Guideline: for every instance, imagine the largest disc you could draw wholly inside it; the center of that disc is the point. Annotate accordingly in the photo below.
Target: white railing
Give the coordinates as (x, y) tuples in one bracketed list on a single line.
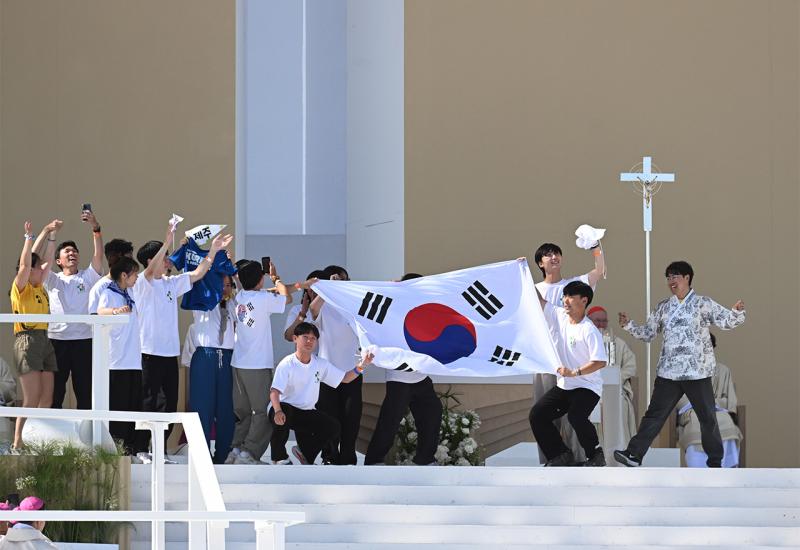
[(206, 514)]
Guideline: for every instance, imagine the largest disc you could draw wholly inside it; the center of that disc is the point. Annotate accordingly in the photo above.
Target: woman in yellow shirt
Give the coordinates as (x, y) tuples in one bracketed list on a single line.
[(34, 356)]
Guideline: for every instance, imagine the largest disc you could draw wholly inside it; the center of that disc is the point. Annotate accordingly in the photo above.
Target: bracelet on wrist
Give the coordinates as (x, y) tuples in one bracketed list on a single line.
[(29, 237)]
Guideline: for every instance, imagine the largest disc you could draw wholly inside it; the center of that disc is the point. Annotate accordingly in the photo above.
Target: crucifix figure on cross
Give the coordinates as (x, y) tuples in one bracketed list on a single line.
[(649, 183)]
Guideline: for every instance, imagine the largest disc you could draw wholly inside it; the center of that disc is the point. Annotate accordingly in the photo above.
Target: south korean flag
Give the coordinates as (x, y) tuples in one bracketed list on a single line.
[(482, 321)]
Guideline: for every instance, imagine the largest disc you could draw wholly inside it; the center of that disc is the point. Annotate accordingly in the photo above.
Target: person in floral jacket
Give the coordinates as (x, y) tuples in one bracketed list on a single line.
[(686, 364)]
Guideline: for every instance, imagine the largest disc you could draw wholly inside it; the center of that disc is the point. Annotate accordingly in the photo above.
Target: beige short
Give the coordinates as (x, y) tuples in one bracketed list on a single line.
[(33, 352)]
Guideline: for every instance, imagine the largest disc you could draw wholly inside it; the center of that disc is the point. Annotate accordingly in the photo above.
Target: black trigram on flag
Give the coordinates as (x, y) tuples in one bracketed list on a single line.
[(374, 307), (482, 300), (404, 367), (504, 357)]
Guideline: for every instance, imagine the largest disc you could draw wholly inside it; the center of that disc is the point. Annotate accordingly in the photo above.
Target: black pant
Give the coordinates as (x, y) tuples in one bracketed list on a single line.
[(125, 394), (344, 404), (73, 357), (314, 430), (426, 408), (666, 394), (577, 404), (159, 385)]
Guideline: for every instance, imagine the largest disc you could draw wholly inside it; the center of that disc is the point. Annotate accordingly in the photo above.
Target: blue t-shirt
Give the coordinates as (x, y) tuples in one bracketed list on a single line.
[(207, 292)]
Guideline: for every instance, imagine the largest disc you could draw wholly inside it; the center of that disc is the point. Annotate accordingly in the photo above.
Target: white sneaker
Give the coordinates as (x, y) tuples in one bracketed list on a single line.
[(232, 456), (146, 458), (283, 462), (245, 458)]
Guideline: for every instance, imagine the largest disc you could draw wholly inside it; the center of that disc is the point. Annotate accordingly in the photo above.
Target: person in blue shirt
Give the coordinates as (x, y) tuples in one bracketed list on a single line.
[(206, 293)]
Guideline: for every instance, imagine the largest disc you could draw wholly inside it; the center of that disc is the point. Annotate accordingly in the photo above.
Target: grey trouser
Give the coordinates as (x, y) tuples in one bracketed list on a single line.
[(250, 398)]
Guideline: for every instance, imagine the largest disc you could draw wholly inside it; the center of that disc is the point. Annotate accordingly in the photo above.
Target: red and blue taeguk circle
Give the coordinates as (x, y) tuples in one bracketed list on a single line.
[(440, 332)]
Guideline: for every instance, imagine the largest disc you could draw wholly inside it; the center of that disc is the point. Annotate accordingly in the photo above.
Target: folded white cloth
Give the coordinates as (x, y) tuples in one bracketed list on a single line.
[(588, 236)]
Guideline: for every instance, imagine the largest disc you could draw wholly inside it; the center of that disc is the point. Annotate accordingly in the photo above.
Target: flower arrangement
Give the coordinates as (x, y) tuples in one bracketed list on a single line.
[(456, 447)]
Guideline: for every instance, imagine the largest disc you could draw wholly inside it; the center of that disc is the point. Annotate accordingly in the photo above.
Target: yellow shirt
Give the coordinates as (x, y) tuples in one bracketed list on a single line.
[(32, 299)]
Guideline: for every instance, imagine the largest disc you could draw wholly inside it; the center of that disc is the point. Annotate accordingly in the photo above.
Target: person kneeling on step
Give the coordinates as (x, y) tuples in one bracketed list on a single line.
[(580, 349), (294, 394)]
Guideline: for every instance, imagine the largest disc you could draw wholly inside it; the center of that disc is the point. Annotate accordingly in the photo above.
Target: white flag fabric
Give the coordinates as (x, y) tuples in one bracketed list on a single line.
[(482, 321), (204, 233)]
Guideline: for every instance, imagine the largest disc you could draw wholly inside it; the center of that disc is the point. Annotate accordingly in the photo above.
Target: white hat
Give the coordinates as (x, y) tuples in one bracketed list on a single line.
[(588, 236)]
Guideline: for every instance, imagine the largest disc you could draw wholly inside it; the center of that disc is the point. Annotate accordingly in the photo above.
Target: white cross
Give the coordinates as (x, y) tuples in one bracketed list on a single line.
[(647, 178)]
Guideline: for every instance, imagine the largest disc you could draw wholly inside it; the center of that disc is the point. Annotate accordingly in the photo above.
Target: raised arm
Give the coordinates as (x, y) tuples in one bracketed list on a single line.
[(281, 288), (45, 244), (725, 318), (646, 332), (97, 239), (24, 270), (217, 244), (599, 266), (158, 259)]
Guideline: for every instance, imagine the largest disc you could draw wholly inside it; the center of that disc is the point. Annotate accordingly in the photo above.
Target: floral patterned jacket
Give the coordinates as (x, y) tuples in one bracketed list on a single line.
[(687, 353)]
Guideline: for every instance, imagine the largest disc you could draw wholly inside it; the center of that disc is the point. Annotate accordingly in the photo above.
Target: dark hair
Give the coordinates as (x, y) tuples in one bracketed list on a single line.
[(123, 265), (409, 276), (306, 328), (713, 340), (545, 250), (250, 274), (240, 263), (35, 260), (680, 268), (579, 288), (148, 251), (64, 245), (116, 249), (336, 270)]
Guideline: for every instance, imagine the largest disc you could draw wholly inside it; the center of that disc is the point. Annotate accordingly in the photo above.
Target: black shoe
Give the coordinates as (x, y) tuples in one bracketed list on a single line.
[(564, 459), (598, 458), (627, 458)]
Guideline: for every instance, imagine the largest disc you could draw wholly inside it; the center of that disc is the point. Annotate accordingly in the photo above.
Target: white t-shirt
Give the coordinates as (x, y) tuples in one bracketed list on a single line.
[(253, 347), (207, 327), (554, 292), (576, 345), (157, 301), (124, 347), (97, 290), (70, 294), (294, 313), (299, 383), (337, 340)]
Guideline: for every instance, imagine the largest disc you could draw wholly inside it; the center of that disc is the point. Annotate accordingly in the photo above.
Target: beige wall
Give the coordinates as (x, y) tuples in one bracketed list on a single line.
[(520, 114), (126, 105)]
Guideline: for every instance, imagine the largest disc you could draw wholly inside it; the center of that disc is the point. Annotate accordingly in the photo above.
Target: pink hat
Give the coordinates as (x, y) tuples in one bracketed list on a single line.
[(30, 504)]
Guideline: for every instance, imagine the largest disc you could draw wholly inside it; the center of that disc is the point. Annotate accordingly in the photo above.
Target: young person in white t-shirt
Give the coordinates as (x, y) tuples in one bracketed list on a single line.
[(156, 295), (68, 291), (113, 250), (302, 312), (580, 349), (338, 344), (253, 360), (549, 258), (406, 390), (125, 365), (207, 351), (294, 393)]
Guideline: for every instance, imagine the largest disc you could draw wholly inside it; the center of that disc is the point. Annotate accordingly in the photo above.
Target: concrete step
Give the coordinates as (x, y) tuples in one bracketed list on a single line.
[(727, 497), (535, 515), (487, 476)]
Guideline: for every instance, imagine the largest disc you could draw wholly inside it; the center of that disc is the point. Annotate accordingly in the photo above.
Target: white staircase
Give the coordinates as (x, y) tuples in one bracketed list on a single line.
[(443, 508)]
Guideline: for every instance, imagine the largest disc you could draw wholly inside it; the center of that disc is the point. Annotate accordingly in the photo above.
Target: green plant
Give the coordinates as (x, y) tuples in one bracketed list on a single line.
[(456, 447), (67, 478)]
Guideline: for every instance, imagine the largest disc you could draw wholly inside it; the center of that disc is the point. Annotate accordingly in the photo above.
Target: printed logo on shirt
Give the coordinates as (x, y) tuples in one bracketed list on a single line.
[(193, 258), (504, 357), (317, 378), (242, 313), (81, 287), (169, 295), (482, 300), (572, 341)]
